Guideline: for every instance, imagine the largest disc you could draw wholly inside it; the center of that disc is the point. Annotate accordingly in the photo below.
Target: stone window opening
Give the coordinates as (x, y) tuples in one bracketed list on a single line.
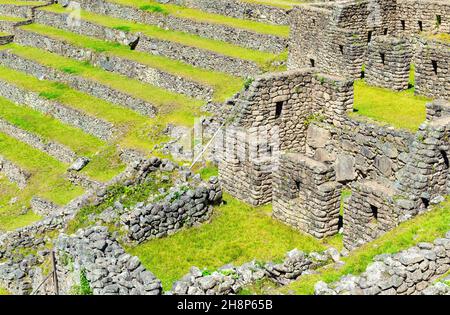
[(314, 21), (278, 109), (435, 66), (438, 20), (383, 58), (420, 26), (298, 185), (341, 49), (403, 22), (369, 36), (374, 211), (445, 157), (385, 31), (312, 62), (425, 202)]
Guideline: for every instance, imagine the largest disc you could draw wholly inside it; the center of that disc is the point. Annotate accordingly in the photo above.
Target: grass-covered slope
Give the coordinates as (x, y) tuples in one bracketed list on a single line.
[(423, 228), (399, 109), (237, 233)]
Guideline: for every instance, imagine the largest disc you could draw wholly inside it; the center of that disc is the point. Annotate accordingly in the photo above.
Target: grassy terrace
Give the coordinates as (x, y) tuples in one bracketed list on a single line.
[(423, 228), (10, 18), (223, 84), (104, 162), (237, 233), (47, 181), (26, 3), (400, 109), (201, 16), (139, 132), (263, 59), (283, 4)]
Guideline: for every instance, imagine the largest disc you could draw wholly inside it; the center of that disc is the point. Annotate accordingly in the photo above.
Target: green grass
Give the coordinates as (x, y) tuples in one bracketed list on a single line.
[(283, 4), (10, 18), (4, 291), (237, 233), (423, 228), (27, 3), (202, 16), (263, 59), (224, 85), (400, 109), (47, 180), (103, 161), (442, 37), (139, 132)]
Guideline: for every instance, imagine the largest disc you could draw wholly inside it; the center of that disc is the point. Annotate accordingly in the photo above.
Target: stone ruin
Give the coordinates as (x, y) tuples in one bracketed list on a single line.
[(294, 145), (386, 36)]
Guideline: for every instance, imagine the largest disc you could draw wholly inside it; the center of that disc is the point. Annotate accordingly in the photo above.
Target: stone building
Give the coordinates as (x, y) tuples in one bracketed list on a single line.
[(293, 143), (382, 36)]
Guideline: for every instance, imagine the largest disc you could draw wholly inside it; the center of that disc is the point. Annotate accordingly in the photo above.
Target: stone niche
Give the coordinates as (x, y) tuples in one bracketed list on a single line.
[(369, 213), (389, 61), (306, 195)]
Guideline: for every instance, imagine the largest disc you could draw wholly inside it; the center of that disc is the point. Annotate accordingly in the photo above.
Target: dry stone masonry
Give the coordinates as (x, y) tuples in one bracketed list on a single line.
[(93, 254), (230, 279), (412, 271), (184, 207), (341, 37)]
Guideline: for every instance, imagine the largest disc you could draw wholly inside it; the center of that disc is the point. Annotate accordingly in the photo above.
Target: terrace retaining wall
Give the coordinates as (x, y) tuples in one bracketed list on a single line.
[(220, 32), (96, 89)]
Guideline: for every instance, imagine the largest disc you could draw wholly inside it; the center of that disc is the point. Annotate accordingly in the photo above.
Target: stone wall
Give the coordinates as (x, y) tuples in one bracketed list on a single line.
[(408, 272), (189, 54), (306, 195), (181, 208), (341, 37), (108, 62), (220, 32), (414, 16), (56, 150), (272, 116), (104, 263), (14, 173), (237, 9), (432, 64), (94, 88), (230, 279), (389, 62), (89, 124)]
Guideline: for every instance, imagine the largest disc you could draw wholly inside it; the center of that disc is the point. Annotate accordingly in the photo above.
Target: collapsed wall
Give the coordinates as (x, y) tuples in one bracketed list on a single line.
[(93, 254)]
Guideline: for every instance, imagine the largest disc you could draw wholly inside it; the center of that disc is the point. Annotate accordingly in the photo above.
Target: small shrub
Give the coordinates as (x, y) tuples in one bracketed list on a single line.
[(248, 82), (85, 287), (49, 95), (154, 8), (122, 28)]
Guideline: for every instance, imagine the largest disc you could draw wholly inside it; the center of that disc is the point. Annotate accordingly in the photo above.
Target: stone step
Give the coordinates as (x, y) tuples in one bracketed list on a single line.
[(187, 48), (52, 148), (113, 61), (249, 34), (14, 173), (20, 9), (92, 125), (10, 59), (266, 11)]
